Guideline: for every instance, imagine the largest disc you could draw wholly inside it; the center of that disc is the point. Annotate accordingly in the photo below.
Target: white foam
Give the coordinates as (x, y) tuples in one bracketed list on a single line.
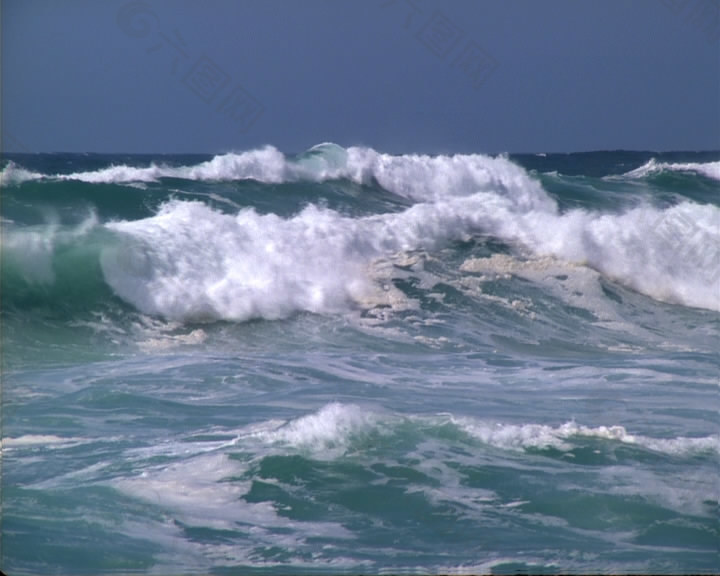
[(522, 562), (414, 176), (331, 428), (207, 490), (13, 174), (205, 487), (541, 436), (44, 440), (118, 174), (192, 262), (652, 166), (575, 284), (265, 164), (419, 177), (172, 341), (194, 486), (437, 178), (327, 431), (672, 255), (686, 491), (680, 446)]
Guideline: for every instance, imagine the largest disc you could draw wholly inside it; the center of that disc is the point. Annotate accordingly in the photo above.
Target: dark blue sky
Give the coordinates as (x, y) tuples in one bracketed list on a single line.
[(398, 75)]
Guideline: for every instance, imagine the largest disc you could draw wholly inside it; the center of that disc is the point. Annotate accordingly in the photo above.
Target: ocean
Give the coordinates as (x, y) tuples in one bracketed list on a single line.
[(346, 361)]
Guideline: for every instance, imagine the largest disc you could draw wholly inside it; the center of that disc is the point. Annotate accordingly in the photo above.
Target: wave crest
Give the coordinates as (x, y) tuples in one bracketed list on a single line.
[(191, 262), (708, 169)]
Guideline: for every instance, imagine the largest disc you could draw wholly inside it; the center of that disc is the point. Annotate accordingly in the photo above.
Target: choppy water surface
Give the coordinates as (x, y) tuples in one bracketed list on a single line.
[(347, 361)]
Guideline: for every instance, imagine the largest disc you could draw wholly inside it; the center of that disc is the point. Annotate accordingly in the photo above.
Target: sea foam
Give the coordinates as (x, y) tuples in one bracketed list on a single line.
[(191, 262), (652, 166)]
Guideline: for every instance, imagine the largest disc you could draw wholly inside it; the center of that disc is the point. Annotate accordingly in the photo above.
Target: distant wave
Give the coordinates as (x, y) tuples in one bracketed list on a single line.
[(707, 169), (14, 174), (333, 427), (402, 174), (321, 162)]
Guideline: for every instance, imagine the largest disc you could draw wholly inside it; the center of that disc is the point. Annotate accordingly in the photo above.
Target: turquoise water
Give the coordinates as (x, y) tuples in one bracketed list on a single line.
[(347, 361)]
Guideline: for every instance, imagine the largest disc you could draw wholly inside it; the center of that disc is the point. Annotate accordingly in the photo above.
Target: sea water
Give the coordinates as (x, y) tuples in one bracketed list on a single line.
[(349, 361)]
